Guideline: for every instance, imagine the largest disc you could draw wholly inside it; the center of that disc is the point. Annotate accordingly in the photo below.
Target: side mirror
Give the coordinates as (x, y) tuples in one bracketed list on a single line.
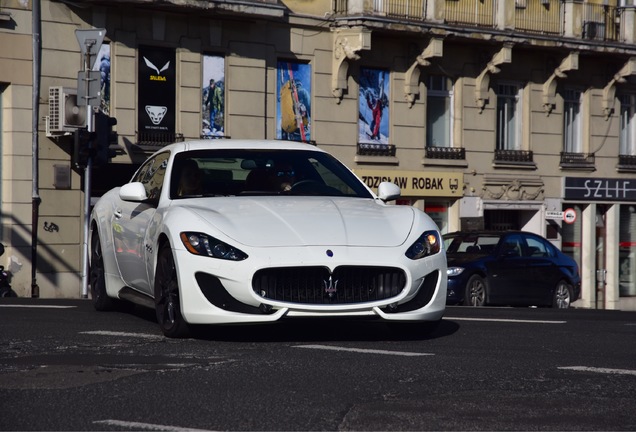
[(135, 192), (388, 191)]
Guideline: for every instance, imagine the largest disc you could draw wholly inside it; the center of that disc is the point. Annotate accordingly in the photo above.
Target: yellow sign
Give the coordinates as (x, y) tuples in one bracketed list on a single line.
[(416, 183)]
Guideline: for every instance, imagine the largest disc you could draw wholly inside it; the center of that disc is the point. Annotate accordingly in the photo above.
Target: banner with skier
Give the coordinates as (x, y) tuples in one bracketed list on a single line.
[(373, 102), (213, 93), (293, 102)]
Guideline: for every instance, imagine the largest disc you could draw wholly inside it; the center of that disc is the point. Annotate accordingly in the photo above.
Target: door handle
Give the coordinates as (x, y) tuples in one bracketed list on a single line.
[(117, 213)]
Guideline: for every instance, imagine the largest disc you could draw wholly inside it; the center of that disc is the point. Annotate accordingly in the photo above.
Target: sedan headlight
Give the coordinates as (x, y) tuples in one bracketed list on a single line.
[(426, 245), (454, 271), (205, 245)]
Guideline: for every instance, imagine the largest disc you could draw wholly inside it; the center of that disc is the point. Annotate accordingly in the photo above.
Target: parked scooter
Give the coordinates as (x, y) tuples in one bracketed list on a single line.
[(5, 287)]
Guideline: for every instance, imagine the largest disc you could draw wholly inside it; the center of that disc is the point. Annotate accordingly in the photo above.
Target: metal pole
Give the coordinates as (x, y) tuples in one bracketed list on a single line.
[(35, 194), (87, 181)]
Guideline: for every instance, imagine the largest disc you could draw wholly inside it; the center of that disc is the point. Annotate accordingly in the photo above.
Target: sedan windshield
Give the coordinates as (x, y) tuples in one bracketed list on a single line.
[(229, 172), (471, 243)]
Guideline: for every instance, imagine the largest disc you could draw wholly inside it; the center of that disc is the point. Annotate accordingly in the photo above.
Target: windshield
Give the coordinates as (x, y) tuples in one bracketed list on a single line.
[(471, 243), (228, 172)]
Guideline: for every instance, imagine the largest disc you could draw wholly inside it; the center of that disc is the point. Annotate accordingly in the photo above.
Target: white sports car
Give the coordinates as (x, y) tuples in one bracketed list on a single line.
[(240, 231)]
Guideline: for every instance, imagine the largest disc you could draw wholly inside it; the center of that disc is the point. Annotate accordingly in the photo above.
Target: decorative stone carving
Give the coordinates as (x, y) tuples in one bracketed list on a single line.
[(347, 43), (512, 189), (483, 80), (412, 76), (609, 92), (571, 62)]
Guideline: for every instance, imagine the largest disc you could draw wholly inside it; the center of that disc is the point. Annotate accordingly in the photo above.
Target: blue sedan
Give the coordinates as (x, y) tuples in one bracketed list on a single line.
[(509, 268)]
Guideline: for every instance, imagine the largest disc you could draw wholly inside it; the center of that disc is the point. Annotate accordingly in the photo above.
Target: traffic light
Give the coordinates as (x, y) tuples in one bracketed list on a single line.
[(104, 137), (82, 147)]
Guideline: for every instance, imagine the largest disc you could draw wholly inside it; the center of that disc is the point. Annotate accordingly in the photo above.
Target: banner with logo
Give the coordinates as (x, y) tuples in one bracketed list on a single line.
[(213, 92), (293, 102), (157, 93), (373, 103)]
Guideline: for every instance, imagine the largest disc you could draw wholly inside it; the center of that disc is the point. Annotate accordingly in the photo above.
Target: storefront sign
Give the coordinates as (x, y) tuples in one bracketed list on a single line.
[(602, 189), (416, 183)]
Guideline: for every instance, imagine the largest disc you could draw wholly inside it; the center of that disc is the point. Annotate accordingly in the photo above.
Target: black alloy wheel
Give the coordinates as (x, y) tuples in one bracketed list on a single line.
[(475, 294), (167, 299), (97, 279), (562, 296)]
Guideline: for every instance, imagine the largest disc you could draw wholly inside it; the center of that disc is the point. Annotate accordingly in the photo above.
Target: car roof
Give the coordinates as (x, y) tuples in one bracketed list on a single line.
[(253, 144)]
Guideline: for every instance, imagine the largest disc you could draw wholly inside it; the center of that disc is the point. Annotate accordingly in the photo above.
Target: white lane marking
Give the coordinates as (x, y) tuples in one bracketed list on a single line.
[(600, 370), (124, 334), (35, 306), (504, 320), (364, 351), (147, 426)]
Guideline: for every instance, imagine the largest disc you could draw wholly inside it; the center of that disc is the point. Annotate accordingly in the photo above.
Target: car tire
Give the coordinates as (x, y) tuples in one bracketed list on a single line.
[(562, 296), (475, 292), (167, 296), (97, 278)]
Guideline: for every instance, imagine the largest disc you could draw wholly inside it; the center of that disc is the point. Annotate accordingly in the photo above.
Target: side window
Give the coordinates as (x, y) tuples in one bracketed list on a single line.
[(536, 248), (152, 173), (512, 246)]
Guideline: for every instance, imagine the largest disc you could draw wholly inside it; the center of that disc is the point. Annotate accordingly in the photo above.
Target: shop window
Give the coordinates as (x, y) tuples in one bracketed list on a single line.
[(571, 235), (627, 251), (438, 211)]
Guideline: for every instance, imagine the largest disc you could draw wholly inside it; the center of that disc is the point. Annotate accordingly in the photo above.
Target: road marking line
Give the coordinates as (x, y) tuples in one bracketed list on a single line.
[(36, 306), (600, 370), (504, 320), (364, 351), (147, 426), (124, 334)]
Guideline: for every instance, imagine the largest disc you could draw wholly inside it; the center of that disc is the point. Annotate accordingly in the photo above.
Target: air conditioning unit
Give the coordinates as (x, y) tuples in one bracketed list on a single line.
[(64, 113)]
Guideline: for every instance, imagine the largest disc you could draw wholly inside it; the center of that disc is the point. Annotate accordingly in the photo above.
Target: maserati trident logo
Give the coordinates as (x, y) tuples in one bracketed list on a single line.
[(331, 286)]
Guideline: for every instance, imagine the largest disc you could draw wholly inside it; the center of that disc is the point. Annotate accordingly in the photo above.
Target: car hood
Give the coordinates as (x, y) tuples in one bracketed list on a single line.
[(305, 221)]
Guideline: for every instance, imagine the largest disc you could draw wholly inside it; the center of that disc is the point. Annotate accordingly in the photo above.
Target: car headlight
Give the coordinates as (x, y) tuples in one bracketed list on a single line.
[(205, 245), (454, 271), (426, 245)]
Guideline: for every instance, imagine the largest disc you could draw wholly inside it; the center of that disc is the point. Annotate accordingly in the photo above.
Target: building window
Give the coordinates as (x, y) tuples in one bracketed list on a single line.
[(439, 111), (572, 122), (627, 146), (508, 117)]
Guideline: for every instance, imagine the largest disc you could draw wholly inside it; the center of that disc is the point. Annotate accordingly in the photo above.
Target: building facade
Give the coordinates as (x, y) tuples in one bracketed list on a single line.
[(497, 114)]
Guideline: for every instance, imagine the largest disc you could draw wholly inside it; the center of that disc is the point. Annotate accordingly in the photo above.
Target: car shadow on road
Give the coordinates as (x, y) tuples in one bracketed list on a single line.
[(323, 330)]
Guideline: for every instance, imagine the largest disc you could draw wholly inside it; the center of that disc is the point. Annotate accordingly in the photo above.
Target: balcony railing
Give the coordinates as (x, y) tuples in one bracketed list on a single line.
[(448, 153), (540, 17), (412, 9), (627, 161), (599, 22), (514, 156), (153, 141), (470, 12), (365, 149), (544, 16), (577, 160)]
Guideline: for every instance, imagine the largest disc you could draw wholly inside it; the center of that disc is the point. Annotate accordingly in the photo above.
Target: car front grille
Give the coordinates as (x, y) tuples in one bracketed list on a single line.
[(316, 285)]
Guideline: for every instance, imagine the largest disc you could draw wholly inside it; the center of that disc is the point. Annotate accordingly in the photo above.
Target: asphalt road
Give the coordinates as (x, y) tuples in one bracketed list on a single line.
[(64, 366)]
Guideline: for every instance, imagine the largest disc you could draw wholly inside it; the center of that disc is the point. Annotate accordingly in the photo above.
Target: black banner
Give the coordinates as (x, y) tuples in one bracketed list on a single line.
[(157, 91), (600, 189)]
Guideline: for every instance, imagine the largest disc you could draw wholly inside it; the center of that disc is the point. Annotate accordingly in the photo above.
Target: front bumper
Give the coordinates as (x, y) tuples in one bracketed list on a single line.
[(221, 292)]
